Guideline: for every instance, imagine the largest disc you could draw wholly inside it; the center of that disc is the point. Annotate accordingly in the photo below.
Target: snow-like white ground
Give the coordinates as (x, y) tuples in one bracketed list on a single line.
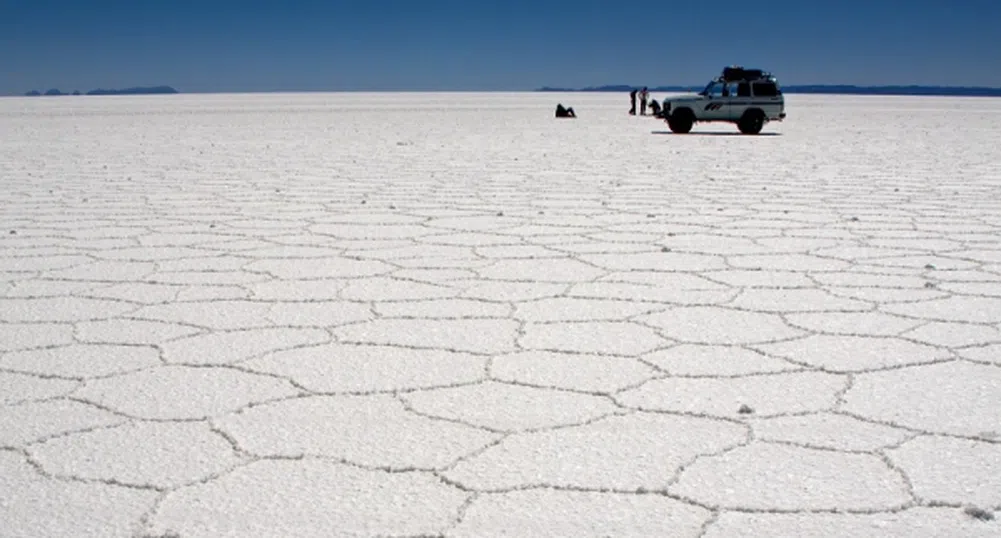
[(453, 315)]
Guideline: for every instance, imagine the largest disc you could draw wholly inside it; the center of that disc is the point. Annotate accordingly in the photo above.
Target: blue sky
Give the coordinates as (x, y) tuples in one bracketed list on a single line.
[(250, 45)]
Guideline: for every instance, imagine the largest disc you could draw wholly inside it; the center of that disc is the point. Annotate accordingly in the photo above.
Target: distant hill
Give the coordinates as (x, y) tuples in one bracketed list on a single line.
[(960, 91), (153, 90), (965, 91), (622, 88)]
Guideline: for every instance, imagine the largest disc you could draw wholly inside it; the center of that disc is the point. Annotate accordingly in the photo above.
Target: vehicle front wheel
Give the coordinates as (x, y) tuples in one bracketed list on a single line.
[(751, 122), (680, 121)]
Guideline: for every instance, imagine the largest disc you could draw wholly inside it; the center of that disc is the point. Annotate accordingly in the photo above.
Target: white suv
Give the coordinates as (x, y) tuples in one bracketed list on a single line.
[(747, 97)]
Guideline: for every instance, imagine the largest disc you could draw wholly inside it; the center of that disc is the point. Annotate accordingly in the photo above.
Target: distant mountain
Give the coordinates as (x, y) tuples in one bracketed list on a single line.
[(965, 91), (620, 88), (154, 90), (962, 91)]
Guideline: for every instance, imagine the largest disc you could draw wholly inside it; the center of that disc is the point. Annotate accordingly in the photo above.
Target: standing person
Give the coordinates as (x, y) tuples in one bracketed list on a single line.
[(632, 103), (644, 95)]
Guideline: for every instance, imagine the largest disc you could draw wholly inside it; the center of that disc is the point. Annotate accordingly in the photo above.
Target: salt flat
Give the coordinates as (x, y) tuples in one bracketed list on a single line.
[(453, 315)]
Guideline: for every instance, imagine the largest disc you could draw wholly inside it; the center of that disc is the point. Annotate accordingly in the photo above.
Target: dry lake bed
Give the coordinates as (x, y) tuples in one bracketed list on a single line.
[(452, 315)]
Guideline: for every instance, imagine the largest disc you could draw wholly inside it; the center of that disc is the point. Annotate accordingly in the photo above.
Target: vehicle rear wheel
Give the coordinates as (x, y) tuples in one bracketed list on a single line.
[(681, 121), (751, 122)]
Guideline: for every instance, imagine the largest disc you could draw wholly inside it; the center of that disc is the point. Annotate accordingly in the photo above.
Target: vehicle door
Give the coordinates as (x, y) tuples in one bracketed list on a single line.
[(716, 105), (741, 99)]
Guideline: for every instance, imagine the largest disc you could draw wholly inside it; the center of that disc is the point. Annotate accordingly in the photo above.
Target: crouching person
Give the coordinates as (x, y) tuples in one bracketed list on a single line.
[(562, 112), (655, 107)]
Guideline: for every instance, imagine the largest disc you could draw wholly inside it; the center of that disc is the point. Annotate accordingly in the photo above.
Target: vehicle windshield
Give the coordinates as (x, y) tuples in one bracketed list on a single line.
[(708, 88)]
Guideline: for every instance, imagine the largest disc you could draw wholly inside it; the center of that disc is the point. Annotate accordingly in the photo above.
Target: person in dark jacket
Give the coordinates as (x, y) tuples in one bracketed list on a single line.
[(655, 107), (632, 103), (562, 112)]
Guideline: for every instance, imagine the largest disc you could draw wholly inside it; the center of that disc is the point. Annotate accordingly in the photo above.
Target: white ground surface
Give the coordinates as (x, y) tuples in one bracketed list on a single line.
[(453, 315)]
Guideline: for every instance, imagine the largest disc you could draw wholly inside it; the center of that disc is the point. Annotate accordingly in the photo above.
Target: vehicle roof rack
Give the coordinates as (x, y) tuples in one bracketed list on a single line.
[(736, 73)]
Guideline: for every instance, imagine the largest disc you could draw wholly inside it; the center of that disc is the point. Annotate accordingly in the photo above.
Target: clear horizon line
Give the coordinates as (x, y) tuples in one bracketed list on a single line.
[(539, 89)]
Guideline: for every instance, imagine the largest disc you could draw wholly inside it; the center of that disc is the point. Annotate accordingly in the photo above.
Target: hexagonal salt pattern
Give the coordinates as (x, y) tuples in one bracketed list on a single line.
[(310, 497), (910, 523), (46, 506), (507, 407), (969, 475), (630, 453), (830, 431), (570, 371), (183, 392), (81, 361), (158, 458), (955, 397), (551, 512), (359, 369), (374, 431), (423, 315), (763, 476), (766, 394)]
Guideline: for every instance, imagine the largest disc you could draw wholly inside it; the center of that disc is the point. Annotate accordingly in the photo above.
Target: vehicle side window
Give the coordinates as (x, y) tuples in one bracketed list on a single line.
[(766, 89), (716, 90), (743, 90)]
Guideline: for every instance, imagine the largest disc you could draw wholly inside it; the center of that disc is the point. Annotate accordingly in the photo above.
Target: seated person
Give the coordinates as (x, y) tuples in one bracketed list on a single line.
[(562, 112), (655, 107)]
